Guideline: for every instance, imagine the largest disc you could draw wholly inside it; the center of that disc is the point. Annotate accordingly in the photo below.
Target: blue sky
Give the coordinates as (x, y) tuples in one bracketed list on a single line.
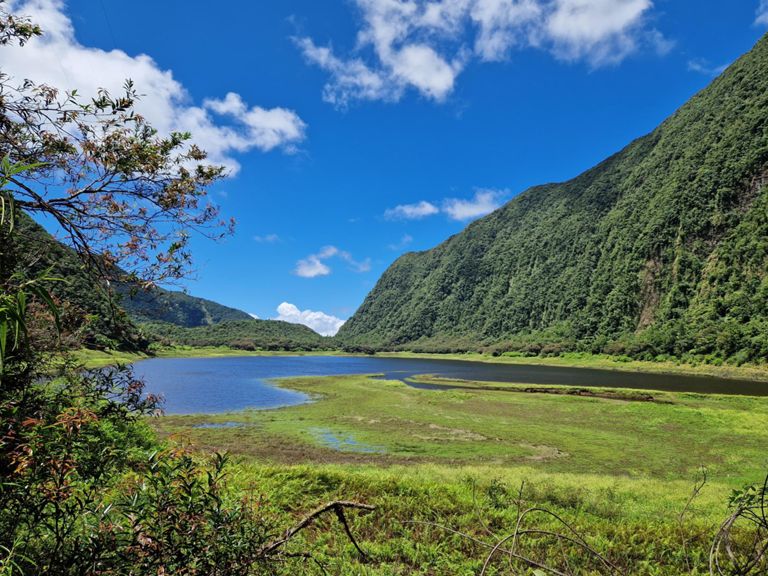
[(357, 130)]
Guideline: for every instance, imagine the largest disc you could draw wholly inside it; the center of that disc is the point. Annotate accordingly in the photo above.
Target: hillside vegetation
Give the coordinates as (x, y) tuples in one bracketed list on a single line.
[(661, 249), (95, 318), (125, 317), (175, 307), (248, 334)]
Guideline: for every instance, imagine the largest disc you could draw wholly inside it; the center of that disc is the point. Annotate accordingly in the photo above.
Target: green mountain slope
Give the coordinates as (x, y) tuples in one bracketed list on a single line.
[(92, 314), (159, 305), (248, 334), (662, 248), (131, 319)]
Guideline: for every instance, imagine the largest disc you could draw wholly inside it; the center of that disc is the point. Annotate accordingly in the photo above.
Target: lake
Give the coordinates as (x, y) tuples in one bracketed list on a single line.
[(214, 385)]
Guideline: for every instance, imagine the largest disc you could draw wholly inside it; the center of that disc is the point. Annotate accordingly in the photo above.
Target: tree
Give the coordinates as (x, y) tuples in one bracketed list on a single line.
[(124, 196), (85, 486)]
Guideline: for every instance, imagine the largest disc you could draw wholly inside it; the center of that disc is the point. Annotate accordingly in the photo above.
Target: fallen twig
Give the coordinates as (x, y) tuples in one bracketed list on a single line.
[(337, 507)]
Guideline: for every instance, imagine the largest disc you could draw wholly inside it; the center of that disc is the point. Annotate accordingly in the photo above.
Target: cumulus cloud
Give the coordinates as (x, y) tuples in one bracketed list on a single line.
[(222, 127), (599, 31), (415, 211), (314, 265), (424, 45), (504, 24), (322, 323), (483, 202), (762, 13)]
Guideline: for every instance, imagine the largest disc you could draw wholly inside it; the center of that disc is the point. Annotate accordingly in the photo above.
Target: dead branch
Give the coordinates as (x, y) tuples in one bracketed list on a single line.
[(337, 507), (697, 488), (740, 547)]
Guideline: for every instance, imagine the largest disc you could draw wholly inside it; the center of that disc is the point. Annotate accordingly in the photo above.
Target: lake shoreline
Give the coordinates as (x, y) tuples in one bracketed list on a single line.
[(99, 359)]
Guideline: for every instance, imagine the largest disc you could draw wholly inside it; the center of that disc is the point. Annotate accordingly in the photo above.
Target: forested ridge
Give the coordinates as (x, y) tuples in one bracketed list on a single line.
[(120, 314), (251, 334), (660, 249), (175, 307)]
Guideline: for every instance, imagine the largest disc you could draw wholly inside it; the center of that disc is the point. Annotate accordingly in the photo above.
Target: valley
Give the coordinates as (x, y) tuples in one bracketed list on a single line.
[(410, 358)]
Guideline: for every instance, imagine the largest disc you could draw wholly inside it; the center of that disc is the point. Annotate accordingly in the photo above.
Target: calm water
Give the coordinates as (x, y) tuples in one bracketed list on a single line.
[(210, 385)]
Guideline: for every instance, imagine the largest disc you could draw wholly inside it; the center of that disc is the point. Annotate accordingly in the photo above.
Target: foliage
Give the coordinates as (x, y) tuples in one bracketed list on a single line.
[(741, 544), (105, 313), (660, 249), (85, 487), (92, 313), (160, 305), (249, 334), (122, 194)]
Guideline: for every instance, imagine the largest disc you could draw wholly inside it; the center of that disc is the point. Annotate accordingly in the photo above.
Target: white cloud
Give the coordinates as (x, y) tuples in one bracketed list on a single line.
[(350, 79), (482, 203), (762, 13), (504, 24), (311, 267), (322, 323), (424, 45), (59, 60), (599, 31), (254, 316), (415, 211), (267, 239), (314, 265), (357, 266)]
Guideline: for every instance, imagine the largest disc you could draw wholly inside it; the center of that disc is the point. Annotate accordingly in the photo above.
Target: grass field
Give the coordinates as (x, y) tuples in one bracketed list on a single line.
[(619, 466)]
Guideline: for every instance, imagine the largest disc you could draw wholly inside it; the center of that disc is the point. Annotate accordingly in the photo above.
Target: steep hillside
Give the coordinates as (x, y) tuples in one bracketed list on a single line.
[(244, 335), (159, 305), (662, 248), (132, 318), (93, 314)]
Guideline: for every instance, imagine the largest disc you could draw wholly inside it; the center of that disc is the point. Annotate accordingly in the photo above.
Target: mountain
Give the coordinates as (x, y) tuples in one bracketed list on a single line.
[(128, 318), (160, 305), (90, 311), (660, 249), (248, 334)]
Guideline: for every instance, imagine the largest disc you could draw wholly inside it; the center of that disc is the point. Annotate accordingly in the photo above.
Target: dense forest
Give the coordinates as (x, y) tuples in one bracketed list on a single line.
[(662, 249), (248, 334), (120, 314), (174, 307)]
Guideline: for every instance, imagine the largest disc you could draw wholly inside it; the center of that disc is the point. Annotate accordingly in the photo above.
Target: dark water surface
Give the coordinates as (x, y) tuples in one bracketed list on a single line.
[(211, 385)]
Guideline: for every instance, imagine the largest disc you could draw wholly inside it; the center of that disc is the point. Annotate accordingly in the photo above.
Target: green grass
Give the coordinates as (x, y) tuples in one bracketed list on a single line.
[(668, 439), (620, 470), (101, 358), (633, 522)]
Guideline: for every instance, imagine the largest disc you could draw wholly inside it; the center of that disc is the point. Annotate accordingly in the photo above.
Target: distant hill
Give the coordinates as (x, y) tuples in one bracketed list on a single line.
[(159, 305), (248, 334), (133, 319), (660, 249)]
